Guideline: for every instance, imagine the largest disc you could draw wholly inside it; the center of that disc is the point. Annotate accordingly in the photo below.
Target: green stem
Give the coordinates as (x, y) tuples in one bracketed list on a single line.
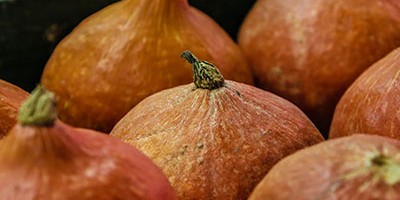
[(387, 168), (205, 74), (39, 109)]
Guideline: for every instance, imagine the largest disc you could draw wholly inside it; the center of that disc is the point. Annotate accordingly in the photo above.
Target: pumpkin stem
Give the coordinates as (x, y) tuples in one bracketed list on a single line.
[(387, 169), (205, 74), (39, 109)]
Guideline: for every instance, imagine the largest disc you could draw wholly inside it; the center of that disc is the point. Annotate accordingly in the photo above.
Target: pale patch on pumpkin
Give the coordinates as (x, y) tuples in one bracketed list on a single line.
[(299, 33), (100, 170)]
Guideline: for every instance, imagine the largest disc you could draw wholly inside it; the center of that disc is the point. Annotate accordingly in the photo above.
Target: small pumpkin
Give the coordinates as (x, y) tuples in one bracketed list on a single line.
[(357, 167), (128, 51), (215, 138), (44, 158), (11, 98), (310, 52), (372, 103)]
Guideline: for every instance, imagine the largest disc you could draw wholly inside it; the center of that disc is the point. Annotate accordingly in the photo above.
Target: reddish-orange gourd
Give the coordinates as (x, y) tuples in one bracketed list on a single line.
[(372, 103), (44, 158), (360, 166), (310, 51), (215, 138)]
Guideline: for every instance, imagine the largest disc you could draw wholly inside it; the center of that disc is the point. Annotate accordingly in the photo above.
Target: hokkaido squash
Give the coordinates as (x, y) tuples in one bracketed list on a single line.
[(310, 51), (372, 103), (215, 138), (44, 158), (357, 167)]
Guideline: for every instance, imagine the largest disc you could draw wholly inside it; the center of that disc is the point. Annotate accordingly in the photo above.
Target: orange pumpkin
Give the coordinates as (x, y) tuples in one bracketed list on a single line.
[(44, 158), (130, 50), (372, 103), (309, 52), (215, 138), (357, 167)]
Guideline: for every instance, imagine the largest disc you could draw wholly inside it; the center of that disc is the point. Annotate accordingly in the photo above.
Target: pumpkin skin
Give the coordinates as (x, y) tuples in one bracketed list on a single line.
[(216, 143), (310, 51), (11, 97), (354, 167), (130, 50), (372, 103), (48, 159)]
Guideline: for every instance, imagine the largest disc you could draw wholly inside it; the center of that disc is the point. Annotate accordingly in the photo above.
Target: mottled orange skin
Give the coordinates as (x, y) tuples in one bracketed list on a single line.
[(65, 163), (11, 98), (337, 169), (216, 144), (372, 103), (130, 50), (310, 51)]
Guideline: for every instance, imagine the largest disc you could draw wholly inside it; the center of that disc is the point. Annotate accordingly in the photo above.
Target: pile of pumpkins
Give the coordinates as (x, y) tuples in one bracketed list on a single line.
[(153, 100)]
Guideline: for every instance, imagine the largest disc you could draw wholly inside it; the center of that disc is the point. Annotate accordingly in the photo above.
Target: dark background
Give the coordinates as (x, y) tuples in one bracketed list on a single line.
[(30, 29)]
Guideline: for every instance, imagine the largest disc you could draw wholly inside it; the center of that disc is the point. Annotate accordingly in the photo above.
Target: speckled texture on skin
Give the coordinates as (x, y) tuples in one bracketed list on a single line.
[(64, 163), (310, 51), (216, 144), (372, 102), (337, 169), (130, 50), (11, 97)]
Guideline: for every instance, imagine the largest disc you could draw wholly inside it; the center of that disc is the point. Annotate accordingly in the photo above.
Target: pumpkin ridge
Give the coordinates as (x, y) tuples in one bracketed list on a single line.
[(174, 106), (216, 107), (255, 106)]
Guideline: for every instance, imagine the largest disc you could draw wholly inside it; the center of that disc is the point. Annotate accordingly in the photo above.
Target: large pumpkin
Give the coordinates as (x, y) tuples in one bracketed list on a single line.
[(11, 98), (129, 50), (42, 158), (372, 103), (215, 138), (310, 51)]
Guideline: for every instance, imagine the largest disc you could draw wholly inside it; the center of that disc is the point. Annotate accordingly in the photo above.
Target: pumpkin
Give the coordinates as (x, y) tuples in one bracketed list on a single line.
[(128, 51), (44, 158), (215, 138), (310, 51), (372, 103), (11, 98), (355, 167)]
